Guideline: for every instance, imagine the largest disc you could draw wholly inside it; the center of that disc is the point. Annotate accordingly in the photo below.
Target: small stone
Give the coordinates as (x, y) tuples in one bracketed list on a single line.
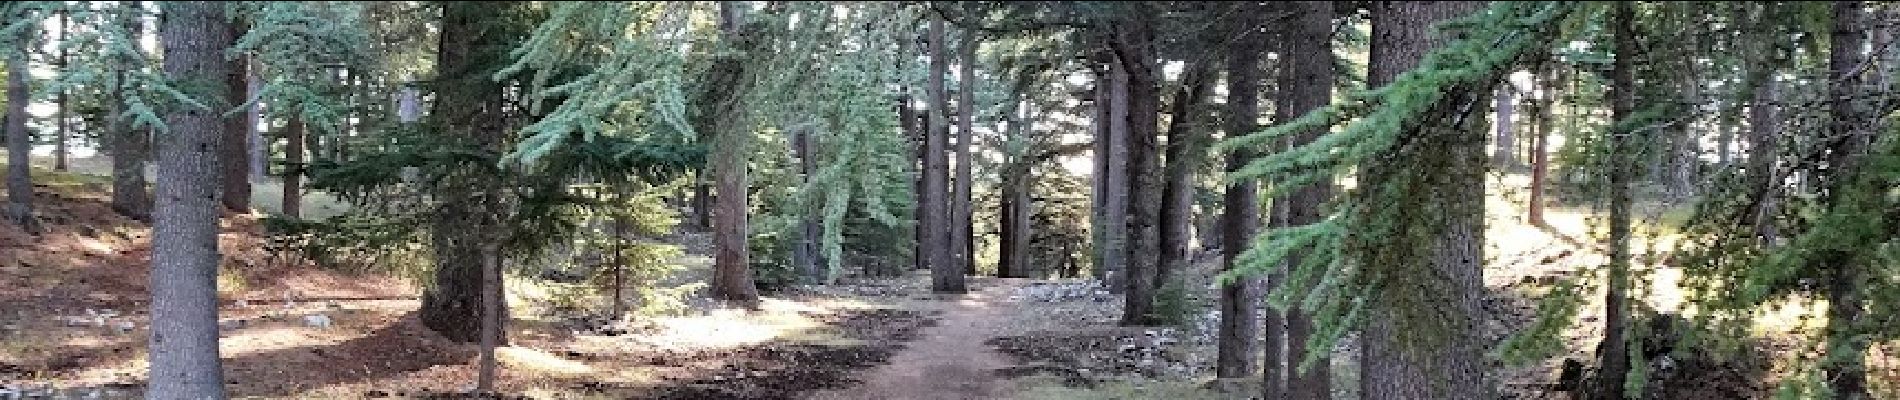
[(123, 326), (316, 321)]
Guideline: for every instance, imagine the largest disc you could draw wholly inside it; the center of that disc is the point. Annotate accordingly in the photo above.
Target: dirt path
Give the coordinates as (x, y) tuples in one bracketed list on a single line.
[(948, 361)]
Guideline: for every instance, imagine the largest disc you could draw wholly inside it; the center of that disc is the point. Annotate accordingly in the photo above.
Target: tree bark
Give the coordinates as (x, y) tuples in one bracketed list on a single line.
[(1394, 367), (234, 170), (806, 254), (19, 209), (259, 145), (1845, 367), (293, 167), (1306, 84), (130, 147), (61, 118), (1134, 45), (945, 275), (1239, 331), (1015, 210), (732, 270), (1613, 352), (492, 317), (1111, 197), (184, 340), (702, 202), (914, 135), (1186, 143), (1763, 117), (620, 266), (1506, 144), (467, 114), (961, 241), (1540, 153)]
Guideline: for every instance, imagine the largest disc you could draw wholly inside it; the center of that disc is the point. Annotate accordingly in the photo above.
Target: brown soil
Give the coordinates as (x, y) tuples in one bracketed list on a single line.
[(949, 361)]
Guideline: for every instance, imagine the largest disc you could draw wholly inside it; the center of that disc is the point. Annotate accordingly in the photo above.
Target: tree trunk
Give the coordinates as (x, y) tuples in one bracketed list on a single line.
[(236, 164), (293, 167), (1506, 143), (702, 202), (260, 146), (61, 119), (620, 266), (130, 147), (1018, 180), (1106, 212), (467, 113), (1306, 84), (914, 136), (1540, 153), (732, 270), (184, 341), (961, 241), (1239, 331), (1845, 367), (806, 255), (19, 209), (492, 317), (1134, 42), (1613, 352), (1763, 117), (1186, 143), (946, 276), (1395, 367), (1115, 227)]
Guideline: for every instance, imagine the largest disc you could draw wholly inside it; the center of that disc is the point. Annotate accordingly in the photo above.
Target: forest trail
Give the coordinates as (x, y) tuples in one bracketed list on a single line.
[(948, 361)]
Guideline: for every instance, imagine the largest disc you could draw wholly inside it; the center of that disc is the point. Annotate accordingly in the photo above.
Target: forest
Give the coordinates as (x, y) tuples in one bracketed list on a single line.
[(1305, 200)]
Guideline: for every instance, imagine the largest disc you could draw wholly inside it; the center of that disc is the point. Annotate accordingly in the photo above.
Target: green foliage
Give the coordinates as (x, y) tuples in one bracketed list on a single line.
[(1172, 304), (1342, 272), (302, 47)]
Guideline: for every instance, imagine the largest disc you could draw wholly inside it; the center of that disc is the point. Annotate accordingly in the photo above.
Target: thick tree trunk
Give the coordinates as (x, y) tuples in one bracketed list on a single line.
[(732, 269), (1394, 366), (961, 241), (1018, 208), (184, 342), (466, 112), (1845, 367), (945, 275), (1613, 352), (1306, 84), (1135, 53), (293, 167), (1238, 337), (130, 148), (1186, 142), (1506, 143), (234, 170), (19, 208)]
